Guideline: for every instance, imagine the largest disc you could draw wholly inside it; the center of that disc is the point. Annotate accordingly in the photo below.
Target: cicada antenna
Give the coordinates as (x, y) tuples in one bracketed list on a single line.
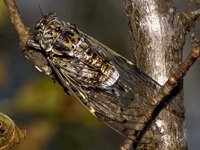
[(41, 10)]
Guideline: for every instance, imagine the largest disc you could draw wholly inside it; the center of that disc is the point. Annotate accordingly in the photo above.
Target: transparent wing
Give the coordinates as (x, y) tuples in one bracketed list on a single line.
[(148, 85), (125, 105)]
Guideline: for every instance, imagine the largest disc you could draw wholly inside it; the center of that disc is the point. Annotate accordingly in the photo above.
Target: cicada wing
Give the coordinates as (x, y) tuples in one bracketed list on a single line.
[(132, 94)]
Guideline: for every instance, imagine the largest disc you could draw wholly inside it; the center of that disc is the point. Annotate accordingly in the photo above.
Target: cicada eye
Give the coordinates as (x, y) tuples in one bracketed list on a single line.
[(52, 15), (39, 25)]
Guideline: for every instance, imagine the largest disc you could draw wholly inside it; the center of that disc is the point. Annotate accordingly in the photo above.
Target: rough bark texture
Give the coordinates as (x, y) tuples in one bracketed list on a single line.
[(158, 35)]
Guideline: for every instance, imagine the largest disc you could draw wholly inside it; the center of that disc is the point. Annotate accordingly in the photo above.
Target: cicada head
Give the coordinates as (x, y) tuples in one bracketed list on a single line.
[(50, 32)]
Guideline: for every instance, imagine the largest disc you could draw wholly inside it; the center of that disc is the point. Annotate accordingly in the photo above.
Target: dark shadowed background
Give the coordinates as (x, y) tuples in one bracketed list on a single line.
[(54, 120)]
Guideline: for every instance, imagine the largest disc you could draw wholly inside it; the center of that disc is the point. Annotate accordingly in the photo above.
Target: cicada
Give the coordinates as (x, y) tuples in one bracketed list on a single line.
[(108, 85)]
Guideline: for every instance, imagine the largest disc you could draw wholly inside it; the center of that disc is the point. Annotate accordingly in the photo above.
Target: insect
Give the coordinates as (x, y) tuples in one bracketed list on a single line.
[(109, 86)]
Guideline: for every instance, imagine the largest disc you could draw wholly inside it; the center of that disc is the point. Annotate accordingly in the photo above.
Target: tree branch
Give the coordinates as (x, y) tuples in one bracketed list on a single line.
[(158, 32), (25, 35)]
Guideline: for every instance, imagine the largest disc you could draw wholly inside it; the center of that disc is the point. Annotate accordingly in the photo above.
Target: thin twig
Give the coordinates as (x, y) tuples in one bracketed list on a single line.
[(25, 35), (180, 73), (16, 20)]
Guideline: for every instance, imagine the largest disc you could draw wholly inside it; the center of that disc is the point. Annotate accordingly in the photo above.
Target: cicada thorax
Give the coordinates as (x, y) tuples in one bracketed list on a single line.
[(62, 41)]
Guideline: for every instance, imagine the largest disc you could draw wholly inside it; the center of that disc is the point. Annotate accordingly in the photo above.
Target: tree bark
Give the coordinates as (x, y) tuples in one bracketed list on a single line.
[(158, 32)]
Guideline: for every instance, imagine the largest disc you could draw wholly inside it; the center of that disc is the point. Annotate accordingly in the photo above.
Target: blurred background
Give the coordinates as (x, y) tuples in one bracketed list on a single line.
[(52, 119)]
